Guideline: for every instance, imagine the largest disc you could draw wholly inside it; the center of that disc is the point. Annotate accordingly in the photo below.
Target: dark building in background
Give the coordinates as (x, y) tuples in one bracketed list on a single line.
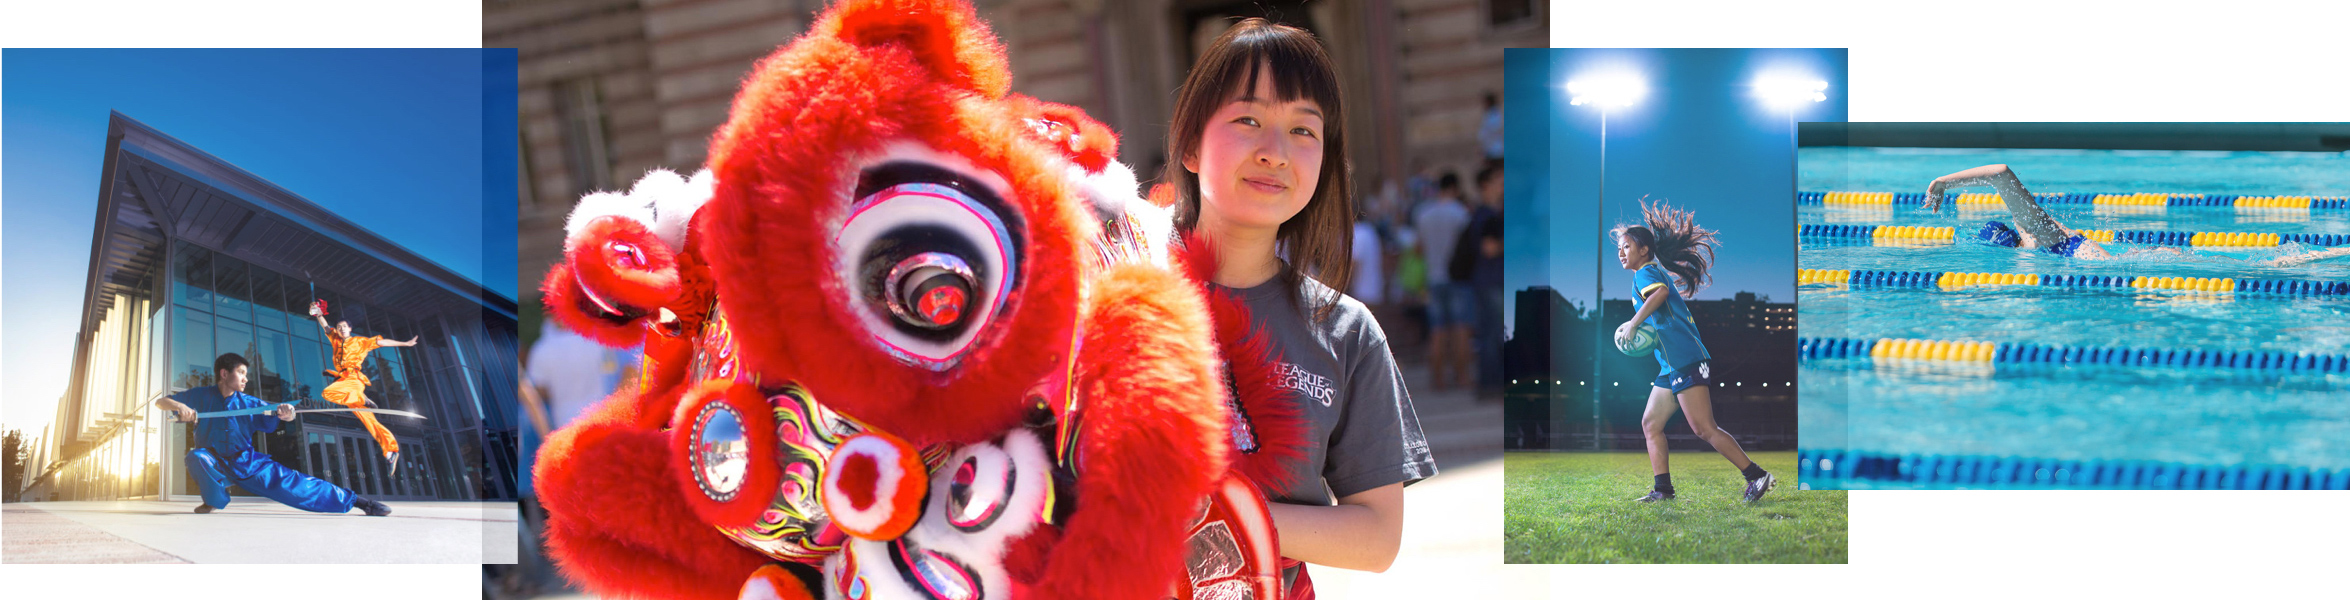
[(194, 257), (1550, 401)]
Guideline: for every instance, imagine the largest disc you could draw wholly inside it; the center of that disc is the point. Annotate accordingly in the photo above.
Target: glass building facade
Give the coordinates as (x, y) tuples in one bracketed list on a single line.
[(195, 258)]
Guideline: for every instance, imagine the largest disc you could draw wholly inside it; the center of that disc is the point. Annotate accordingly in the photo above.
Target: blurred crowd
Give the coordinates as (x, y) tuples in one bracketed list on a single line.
[(1428, 258)]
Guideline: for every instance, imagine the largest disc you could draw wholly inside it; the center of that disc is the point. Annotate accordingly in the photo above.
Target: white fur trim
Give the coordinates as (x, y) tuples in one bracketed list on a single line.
[(980, 552), (662, 201), (673, 212), (759, 588), (1114, 193), (1109, 191), (885, 456)]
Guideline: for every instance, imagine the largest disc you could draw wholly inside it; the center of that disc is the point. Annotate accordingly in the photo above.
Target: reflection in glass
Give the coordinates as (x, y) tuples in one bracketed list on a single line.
[(191, 278), (235, 289), (191, 349)]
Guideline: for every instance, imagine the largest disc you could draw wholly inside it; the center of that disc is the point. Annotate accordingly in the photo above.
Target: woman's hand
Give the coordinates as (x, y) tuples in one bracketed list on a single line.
[(1934, 193)]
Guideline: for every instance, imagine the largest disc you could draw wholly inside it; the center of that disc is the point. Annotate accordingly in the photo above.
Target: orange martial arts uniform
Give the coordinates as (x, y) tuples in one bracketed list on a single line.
[(350, 384)]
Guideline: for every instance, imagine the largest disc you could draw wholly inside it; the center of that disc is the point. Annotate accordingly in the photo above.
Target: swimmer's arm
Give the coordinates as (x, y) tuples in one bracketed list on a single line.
[(2309, 257), (2038, 228), (1363, 532)]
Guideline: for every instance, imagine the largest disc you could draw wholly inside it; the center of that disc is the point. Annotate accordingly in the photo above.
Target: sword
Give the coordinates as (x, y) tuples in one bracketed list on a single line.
[(273, 408)]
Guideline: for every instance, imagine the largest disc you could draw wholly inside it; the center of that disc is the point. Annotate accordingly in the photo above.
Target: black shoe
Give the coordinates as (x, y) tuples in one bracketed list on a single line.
[(1756, 487), (1655, 496), (203, 509), (373, 508)]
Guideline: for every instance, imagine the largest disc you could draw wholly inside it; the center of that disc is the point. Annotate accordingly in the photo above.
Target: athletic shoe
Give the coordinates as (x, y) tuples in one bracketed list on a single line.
[(1655, 496), (393, 458), (203, 509), (1755, 489), (373, 508)]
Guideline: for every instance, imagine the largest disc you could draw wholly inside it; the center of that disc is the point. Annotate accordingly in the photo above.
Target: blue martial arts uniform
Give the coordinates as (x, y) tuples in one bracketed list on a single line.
[(224, 455)]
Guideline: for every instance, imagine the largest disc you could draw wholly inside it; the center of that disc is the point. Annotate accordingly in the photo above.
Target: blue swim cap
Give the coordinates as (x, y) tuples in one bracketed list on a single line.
[(1998, 233)]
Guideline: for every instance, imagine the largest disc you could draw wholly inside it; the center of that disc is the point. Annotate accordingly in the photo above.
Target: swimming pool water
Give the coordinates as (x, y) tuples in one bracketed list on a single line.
[(2185, 416)]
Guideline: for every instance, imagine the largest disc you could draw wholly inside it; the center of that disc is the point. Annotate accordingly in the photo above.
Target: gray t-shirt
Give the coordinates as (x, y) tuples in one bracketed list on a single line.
[(1361, 430), (1440, 223)]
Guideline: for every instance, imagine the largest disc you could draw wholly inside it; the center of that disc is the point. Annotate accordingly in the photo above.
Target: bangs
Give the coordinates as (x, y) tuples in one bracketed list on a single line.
[(1299, 68)]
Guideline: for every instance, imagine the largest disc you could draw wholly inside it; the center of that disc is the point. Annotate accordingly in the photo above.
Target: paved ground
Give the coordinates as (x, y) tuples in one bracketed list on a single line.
[(254, 530)]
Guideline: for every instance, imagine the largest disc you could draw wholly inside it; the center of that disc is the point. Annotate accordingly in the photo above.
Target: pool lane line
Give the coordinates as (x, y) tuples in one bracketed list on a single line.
[(2289, 202), (1827, 465), (1996, 353), (1952, 280), (2212, 239)]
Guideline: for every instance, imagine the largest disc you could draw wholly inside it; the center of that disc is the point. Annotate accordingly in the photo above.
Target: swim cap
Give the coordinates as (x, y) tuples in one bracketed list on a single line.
[(1998, 233)]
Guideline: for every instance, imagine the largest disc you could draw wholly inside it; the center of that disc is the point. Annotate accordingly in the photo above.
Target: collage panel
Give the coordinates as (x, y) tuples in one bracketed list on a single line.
[(1652, 249), (1159, 299), (293, 305), (2137, 306), (759, 237)]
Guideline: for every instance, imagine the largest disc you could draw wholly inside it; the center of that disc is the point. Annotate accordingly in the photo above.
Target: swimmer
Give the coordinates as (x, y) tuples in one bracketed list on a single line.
[(2040, 231)]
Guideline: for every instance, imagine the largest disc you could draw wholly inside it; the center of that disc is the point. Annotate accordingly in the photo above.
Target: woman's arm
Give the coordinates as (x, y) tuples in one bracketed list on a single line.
[(1654, 298), (2296, 259), (1362, 532), (2039, 229)]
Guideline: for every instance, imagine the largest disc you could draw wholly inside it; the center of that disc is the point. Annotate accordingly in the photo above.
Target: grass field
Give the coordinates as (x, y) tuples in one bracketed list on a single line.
[(1576, 507)]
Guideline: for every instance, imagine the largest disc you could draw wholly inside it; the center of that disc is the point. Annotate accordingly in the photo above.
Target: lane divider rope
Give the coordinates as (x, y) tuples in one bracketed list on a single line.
[(1965, 470), (2294, 202), (2149, 237), (1947, 280), (1979, 352)]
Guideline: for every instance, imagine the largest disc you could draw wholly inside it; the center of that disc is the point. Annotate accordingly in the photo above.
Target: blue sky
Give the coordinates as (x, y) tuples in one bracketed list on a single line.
[(1700, 139), (390, 139)]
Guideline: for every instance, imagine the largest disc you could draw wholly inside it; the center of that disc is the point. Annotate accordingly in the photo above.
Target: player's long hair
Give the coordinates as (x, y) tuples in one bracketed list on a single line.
[(1675, 241)]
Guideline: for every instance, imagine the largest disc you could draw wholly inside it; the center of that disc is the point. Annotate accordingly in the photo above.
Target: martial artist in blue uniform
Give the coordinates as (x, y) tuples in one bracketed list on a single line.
[(224, 451)]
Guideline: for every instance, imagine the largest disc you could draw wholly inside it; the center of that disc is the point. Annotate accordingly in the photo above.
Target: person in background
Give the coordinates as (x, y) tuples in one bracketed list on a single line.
[(1485, 278), (1370, 281), (1490, 133), (1452, 305)]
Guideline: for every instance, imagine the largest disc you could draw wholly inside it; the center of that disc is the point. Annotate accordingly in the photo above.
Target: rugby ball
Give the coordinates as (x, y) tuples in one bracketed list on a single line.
[(1640, 341)]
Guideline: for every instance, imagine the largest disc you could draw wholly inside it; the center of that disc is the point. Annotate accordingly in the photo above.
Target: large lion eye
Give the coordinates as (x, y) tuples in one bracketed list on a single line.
[(930, 255)]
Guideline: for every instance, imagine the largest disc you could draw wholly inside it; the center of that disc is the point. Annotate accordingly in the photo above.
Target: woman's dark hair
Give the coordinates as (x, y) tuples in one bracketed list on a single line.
[(1320, 239), (1674, 240), (227, 362)]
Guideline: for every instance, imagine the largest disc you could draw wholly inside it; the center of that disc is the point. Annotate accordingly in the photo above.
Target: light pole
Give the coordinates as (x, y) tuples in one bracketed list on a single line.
[(1613, 91), (1789, 94)]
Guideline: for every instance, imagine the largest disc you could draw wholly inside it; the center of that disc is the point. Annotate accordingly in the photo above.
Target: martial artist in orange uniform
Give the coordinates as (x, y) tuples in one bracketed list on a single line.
[(350, 386)]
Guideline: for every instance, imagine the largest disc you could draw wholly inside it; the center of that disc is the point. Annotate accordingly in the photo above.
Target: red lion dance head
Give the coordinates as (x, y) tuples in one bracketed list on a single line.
[(909, 327)]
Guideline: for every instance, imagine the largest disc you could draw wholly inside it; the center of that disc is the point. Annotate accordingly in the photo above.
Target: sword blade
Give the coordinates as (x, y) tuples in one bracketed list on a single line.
[(273, 408)]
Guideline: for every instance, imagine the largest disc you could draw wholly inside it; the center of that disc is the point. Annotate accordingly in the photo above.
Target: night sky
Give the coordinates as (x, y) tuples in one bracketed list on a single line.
[(1700, 140)]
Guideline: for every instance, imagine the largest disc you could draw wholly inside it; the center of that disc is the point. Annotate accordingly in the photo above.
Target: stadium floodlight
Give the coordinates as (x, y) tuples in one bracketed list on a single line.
[(1790, 92), (1615, 91)]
